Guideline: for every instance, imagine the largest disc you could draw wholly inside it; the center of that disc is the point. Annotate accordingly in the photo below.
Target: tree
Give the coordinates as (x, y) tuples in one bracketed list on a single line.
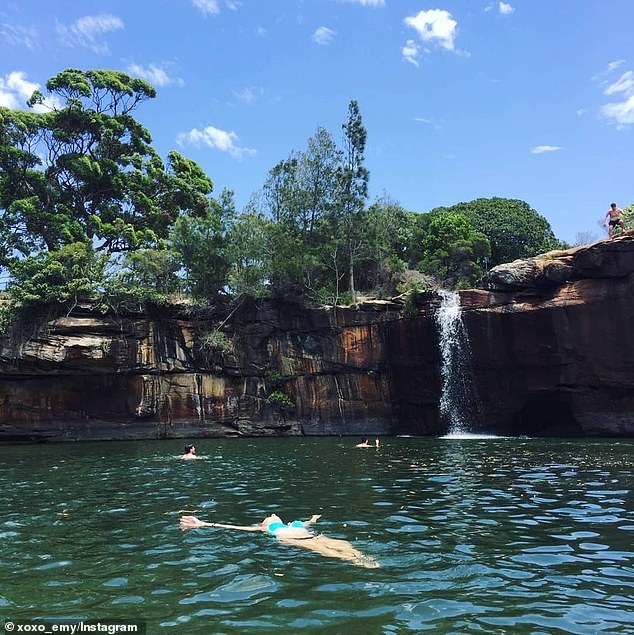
[(513, 228), (451, 250), (317, 174), (388, 235), (348, 221), (250, 259), (203, 244), (70, 273), (84, 171), (628, 216), (297, 196)]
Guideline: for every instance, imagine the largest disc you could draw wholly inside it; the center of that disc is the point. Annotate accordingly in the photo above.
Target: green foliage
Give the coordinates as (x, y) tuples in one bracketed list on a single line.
[(513, 228), (70, 273), (280, 401), (215, 341), (387, 233), (86, 172), (274, 379), (250, 262), (296, 200), (150, 270), (451, 250), (203, 245), (413, 290), (628, 216), (82, 179)]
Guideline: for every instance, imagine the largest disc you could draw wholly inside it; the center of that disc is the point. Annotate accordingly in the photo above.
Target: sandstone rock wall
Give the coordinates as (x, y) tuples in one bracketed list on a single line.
[(551, 355), (86, 376)]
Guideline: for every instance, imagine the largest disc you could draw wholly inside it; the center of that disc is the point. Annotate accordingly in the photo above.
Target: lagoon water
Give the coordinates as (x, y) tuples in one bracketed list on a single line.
[(473, 535)]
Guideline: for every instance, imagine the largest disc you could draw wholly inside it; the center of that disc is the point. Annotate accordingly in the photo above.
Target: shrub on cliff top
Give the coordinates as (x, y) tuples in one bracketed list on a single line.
[(69, 273)]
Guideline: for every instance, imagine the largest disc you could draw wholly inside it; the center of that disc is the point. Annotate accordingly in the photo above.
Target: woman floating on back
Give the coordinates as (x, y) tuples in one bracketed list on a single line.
[(296, 534)]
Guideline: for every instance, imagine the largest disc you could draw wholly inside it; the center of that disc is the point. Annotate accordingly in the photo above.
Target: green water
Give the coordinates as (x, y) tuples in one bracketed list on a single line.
[(473, 536)]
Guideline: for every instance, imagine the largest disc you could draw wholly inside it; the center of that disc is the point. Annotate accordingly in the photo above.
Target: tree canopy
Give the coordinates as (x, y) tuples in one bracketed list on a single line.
[(514, 229), (84, 170), (88, 207)]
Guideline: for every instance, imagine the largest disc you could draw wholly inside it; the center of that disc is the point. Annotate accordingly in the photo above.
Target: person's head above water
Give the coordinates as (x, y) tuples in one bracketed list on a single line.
[(190, 449)]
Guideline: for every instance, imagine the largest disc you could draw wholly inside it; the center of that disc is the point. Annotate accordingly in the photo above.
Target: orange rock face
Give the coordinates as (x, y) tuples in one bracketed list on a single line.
[(550, 352)]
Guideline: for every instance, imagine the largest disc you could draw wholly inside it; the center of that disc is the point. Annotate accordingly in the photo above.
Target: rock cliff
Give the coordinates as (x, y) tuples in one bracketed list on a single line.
[(550, 355), (282, 369)]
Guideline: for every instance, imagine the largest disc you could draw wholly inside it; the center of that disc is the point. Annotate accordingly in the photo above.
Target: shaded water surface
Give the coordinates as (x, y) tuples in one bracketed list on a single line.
[(473, 536)]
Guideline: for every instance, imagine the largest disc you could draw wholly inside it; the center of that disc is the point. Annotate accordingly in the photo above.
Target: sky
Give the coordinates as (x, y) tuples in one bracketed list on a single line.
[(461, 99)]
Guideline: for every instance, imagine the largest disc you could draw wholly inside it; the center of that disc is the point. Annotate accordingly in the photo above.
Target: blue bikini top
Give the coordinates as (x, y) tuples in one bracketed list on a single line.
[(273, 527)]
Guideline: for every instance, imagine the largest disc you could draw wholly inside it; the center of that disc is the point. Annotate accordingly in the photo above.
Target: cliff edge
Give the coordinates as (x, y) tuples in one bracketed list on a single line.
[(549, 341)]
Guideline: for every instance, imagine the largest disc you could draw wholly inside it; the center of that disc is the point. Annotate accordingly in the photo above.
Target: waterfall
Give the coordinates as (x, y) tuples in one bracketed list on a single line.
[(459, 402)]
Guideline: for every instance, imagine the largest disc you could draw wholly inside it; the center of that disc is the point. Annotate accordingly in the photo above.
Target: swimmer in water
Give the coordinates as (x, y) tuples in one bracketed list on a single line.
[(296, 534), (190, 452)]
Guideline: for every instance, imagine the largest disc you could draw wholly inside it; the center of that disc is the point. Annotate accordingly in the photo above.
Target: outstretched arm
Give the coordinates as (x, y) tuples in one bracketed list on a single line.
[(313, 519), (191, 522)]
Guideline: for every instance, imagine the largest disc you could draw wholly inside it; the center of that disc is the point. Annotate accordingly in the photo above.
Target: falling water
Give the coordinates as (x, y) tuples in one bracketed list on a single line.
[(459, 402)]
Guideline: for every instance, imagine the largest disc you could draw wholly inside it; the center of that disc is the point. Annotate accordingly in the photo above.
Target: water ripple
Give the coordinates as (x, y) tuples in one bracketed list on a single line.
[(473, 535)]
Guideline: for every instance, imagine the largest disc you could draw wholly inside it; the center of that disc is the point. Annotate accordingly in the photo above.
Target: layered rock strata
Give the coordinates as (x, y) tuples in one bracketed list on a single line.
[(550, 353)]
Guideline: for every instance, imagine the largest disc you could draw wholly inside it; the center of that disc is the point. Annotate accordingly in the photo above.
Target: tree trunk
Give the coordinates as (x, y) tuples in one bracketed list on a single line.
[(353, 292)]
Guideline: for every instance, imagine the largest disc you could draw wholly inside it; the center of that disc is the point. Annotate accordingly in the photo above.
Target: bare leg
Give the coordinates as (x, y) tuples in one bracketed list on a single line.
[(333, 548)]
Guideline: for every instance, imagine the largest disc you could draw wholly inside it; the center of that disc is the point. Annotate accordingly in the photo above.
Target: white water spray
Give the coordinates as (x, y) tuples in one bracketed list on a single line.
[(459, 402)]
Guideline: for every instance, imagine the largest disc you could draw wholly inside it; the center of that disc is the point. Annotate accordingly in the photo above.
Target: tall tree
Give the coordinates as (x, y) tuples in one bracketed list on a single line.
[(317, 174), (352, 176), (297, 196), (84, 170), (388, 232)]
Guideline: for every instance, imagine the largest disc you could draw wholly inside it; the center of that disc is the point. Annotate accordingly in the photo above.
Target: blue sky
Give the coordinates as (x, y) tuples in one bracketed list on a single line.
[(528, 99)]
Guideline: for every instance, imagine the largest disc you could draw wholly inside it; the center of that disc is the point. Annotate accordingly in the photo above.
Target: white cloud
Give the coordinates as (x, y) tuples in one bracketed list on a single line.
[(215, 139), (16, 90), (248, 94), (323, 35), (207, 6), (505, 8), (369, 3), (428, 122), (87, 31), (543, 149), (18, 35), (156, 75), (624, 84), (620, 113), (614, 65), (410, 52), (436, 26)]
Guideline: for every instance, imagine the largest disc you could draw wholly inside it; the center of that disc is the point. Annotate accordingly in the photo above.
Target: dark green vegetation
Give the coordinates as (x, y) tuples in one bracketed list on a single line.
[(89, 209)]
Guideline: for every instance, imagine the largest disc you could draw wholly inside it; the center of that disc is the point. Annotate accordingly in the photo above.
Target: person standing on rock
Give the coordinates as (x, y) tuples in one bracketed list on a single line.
[(614, 215)]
